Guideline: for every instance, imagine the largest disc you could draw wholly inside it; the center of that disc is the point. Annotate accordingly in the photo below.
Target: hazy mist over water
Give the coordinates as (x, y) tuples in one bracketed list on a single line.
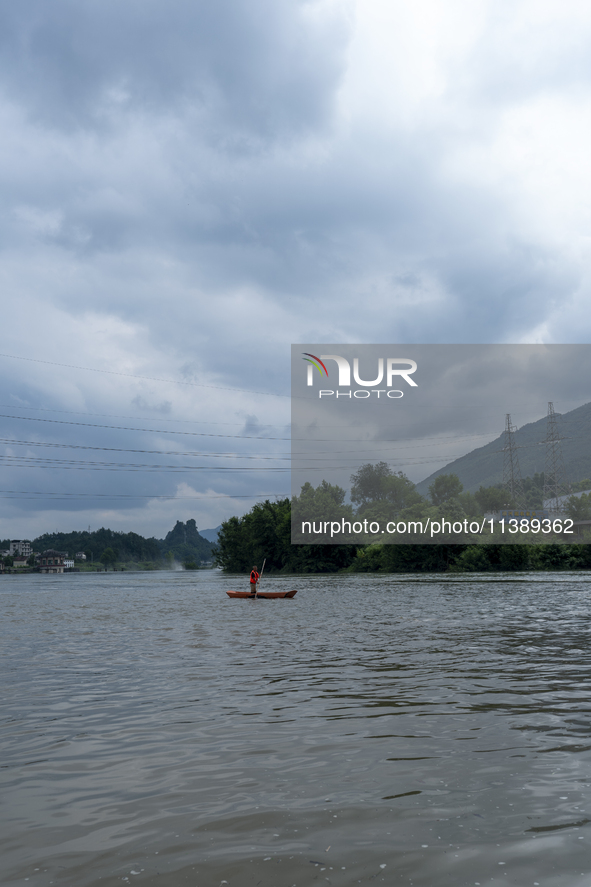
[(396, 729)]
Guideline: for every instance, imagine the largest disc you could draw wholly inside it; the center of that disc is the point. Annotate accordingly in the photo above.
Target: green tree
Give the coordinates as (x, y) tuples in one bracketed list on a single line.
[(470, 504), (474, 559), (445, 487), (451, 509), (514, 557), (577, 487), (108, 557), (579, 507), (373, 484), (127, 546), (580, 557), (419, 558), (8, 561), (316, 505), (369, 559), (491, 498), (553, 556), (234, 546), (368, 483), (533, 488), (265, 532)]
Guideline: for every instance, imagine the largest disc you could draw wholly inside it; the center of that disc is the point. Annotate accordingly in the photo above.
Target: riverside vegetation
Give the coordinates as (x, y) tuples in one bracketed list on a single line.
[(106, 548), (379, 494)]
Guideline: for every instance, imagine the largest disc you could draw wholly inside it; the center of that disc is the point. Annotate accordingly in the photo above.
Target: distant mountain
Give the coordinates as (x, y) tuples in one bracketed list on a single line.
[(186, 543), (484, 466), (211, 535)]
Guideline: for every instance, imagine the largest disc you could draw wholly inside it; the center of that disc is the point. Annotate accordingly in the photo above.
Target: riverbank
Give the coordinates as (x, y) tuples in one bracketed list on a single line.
[(130, 567)]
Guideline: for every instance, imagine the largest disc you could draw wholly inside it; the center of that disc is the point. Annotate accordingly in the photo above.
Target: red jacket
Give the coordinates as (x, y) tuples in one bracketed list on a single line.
[(254, 577)]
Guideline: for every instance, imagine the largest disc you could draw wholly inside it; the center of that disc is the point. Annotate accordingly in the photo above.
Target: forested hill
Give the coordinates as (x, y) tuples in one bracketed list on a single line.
[(484, 466), (183, 543)]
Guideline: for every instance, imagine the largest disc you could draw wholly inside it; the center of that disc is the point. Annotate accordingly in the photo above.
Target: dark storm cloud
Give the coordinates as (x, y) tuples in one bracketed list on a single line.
[(338, 222), (263, 69)]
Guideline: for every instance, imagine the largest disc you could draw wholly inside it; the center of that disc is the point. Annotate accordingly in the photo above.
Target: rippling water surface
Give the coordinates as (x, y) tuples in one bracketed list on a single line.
[(397, 730)]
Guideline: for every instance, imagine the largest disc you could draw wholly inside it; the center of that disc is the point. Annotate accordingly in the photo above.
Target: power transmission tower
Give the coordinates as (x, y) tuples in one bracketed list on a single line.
[(511, 472), (555, 484)]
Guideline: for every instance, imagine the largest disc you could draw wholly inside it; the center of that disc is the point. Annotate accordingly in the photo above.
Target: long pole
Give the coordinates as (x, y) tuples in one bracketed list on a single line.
[(261, 576)]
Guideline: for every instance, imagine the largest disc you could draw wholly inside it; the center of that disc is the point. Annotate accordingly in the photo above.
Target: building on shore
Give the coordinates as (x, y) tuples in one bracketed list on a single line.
[(51, 561), (21, 547)]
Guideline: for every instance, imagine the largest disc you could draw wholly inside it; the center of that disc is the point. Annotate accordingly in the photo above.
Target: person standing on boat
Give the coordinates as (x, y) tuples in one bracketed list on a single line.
[(254, 578)]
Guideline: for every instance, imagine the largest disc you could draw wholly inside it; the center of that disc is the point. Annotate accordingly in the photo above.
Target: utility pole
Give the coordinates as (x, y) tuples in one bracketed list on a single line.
[(555, 484), (511, 472)]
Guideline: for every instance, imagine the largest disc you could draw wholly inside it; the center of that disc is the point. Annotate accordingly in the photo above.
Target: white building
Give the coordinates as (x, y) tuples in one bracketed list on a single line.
[(80, 556), (20, 547), (562, 500), (68, 562)]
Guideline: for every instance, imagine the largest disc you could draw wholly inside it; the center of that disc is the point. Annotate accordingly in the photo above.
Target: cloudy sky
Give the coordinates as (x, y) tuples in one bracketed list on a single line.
[(189, 187)]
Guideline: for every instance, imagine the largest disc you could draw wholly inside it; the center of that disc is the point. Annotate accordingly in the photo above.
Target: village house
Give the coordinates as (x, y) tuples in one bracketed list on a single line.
[(51, 561), (21, 547)]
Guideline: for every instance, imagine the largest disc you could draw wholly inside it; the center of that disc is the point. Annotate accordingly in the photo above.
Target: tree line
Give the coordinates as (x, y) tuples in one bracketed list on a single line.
[(380, 494), (182, 544)]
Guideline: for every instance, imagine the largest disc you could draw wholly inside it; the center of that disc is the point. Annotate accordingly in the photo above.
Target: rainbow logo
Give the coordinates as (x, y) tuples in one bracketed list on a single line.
[(315, 361)]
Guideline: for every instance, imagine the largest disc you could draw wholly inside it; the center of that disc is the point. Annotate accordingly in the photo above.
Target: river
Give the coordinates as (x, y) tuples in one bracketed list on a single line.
[(424, 730)]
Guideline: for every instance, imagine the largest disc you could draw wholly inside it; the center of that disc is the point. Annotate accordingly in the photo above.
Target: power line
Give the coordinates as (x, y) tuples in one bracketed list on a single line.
[(148, 430), (59, 495), (231, 436), (146, 378), (11, 406), (299, 455), (84, 465), (87, 465), (35, 443)]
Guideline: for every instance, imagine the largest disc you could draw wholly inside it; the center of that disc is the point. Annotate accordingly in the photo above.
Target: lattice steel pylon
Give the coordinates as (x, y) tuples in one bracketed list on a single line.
[(555, 484), (511, 472)]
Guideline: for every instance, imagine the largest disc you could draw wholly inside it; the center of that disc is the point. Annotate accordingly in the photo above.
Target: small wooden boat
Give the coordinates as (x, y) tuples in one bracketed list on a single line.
[(266, 595)]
